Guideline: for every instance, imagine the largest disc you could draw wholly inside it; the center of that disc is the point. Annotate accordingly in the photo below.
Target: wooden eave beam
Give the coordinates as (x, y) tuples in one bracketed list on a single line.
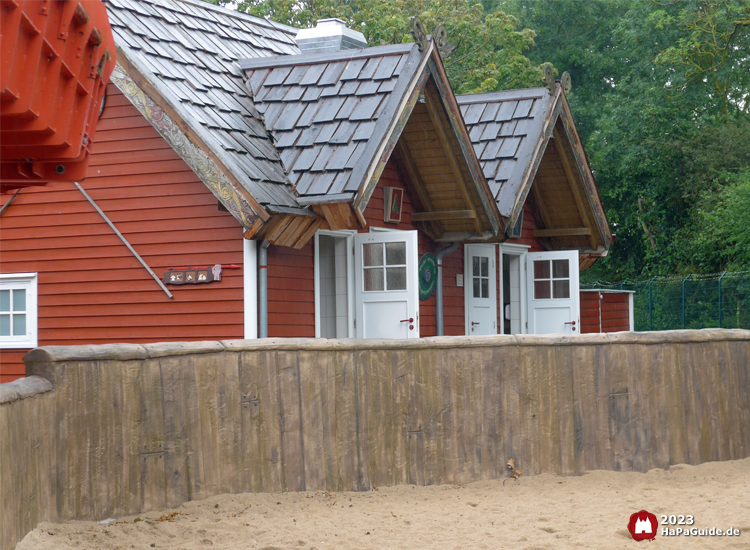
[(563, 232), (570, 175), (430, 103), (404, 160), (444, 215)]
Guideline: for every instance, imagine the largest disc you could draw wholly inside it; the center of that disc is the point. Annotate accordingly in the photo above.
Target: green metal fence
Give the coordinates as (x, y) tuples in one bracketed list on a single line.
[(692, 301)]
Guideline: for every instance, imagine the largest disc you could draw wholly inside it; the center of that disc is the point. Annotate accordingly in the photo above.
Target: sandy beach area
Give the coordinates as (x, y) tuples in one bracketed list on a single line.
[(531, 513)]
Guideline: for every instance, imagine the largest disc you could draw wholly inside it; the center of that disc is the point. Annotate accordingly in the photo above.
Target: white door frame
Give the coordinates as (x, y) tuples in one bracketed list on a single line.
[(519, 250), (250, 286), (347, 234), (410, 295), (468, 285)]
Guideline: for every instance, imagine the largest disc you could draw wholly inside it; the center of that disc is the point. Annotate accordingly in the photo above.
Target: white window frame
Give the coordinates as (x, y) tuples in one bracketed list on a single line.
[(349, 235), (28, 282)]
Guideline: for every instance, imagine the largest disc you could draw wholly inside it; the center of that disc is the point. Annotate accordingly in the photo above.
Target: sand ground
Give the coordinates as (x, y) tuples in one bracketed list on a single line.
[(533, 513)]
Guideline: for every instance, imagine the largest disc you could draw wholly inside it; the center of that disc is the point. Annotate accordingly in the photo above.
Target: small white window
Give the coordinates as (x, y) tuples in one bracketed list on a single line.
[(18, 317)]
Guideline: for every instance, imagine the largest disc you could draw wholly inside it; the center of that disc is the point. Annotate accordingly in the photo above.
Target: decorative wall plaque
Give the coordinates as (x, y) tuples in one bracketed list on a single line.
[(192, 275), (427, 275), (393, 198)]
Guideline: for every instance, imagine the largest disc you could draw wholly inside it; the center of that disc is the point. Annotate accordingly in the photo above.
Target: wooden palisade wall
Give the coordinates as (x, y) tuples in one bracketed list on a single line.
[(131, 428)]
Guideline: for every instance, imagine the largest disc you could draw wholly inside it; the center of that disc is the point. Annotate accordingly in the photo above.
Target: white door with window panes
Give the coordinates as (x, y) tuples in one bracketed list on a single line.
[(553, 292), (386, 282), (479, 289)]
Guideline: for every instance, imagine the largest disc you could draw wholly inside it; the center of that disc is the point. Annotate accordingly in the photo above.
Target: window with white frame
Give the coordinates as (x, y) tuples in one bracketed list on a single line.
[(18, 310)]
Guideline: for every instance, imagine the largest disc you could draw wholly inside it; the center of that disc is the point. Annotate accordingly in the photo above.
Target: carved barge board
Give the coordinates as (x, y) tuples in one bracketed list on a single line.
[(198, 161)]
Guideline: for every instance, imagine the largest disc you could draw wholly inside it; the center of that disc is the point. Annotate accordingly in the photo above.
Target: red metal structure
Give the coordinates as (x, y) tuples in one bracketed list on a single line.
[(56, 57)]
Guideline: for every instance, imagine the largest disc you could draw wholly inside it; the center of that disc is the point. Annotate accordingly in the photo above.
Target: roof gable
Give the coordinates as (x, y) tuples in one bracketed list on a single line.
[(184, 55), (337, 117), (512, 135)]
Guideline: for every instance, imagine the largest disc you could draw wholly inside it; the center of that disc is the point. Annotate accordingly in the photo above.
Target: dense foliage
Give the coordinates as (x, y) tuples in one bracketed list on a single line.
[(661, 97)]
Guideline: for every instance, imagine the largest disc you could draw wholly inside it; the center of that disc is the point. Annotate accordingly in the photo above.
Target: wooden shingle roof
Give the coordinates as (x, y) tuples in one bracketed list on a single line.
[(187, 52), (504, 128), (329, 112)]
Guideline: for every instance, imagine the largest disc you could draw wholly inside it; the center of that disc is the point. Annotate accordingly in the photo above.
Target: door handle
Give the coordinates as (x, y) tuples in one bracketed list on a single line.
[(474, 323), (409, 320), (570, 323)]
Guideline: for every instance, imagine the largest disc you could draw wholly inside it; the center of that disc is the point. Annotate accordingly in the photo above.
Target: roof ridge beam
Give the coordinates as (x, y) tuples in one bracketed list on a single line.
[(328, 57)]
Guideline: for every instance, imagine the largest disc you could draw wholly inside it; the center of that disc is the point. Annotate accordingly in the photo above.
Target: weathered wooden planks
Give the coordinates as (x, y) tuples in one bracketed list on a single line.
[(131, 428)]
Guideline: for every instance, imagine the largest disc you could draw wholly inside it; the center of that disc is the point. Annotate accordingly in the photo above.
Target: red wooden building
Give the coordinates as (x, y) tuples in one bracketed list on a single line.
[(332, 187)]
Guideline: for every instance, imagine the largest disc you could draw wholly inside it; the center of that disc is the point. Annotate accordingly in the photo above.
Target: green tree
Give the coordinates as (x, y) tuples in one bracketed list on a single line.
[(490, 48)]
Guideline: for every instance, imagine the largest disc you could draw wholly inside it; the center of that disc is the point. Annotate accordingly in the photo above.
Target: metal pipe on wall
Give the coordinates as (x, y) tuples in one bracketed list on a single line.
[(439, 290), (263, 289)]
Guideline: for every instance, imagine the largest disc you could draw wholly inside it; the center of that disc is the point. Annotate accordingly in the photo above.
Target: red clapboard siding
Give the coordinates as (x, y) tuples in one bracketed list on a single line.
[(527, 231), (589, 312), (91, 288), (610, 313), (615, 312), (291, 292)]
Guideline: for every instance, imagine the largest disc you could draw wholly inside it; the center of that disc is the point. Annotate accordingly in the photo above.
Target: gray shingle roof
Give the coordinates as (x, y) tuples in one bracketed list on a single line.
[(504, 128), (328, 112), (188, 50)]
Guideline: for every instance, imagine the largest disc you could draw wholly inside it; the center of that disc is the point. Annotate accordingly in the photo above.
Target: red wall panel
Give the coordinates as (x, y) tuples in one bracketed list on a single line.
[(92, 290), (605, 311)]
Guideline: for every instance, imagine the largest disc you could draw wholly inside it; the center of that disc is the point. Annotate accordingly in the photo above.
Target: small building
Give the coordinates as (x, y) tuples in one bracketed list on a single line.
[(606, 310), (241, 188)]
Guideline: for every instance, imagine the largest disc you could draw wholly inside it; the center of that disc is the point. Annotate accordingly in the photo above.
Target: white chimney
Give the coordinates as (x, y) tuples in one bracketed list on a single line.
[(329, 35)]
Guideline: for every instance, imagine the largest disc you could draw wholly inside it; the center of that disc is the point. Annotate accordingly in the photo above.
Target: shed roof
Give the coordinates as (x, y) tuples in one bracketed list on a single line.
[(187, 51)]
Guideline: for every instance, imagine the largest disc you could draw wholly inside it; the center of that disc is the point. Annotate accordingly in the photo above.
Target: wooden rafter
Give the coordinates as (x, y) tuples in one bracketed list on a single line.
[(406, 162), (444, 215), (559, 146), (563, 232), (431, 103)]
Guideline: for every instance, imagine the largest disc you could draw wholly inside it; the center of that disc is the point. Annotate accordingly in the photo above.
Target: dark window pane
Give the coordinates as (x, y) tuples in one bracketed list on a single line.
[(541, 290), (4, 300), (475, 266), (561, 289), (373, 280), (541, 269), (560, 269), (4, 325), (476, 287), (19, 325), (372, 254), (395, 253), (485, 288), (395, 278), (485, 266)]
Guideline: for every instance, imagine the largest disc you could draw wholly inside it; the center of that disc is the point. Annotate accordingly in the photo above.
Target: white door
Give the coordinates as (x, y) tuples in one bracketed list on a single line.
[(479, 289), (387, 296), (554, 300)]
